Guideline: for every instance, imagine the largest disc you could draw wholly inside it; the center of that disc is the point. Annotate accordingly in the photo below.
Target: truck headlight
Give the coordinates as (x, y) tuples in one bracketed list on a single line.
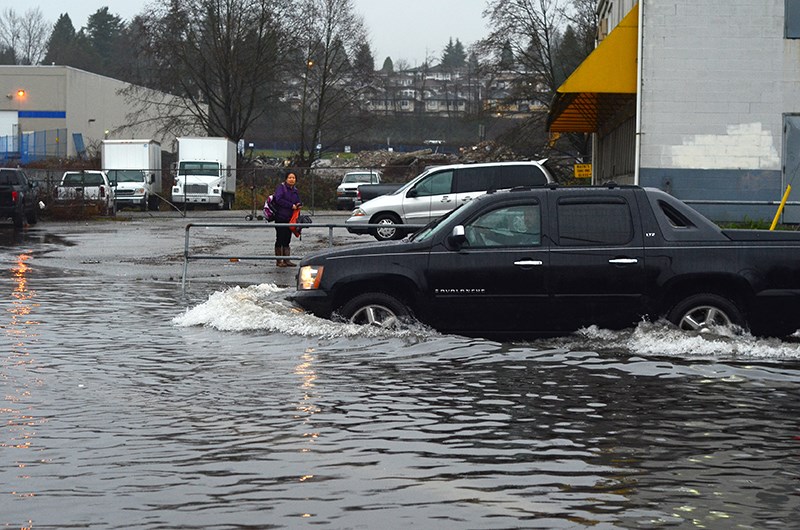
[(309, 277)]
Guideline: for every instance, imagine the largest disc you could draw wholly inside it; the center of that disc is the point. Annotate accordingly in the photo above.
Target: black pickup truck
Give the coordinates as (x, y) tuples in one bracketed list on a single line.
[(367, 192), (18, 200), (550, 260)]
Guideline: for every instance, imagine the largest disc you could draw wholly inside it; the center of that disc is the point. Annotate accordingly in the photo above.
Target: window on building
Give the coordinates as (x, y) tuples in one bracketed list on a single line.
[(791, 19)]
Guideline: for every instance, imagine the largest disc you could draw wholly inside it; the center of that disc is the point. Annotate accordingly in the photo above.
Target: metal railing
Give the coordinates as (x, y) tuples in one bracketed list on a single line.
[(187, 256)]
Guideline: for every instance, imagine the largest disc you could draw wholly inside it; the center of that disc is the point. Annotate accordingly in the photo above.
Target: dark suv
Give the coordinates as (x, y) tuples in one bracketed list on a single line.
[(18, 200)]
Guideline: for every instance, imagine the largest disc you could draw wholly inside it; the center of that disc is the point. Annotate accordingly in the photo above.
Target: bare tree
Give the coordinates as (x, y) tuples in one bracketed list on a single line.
[(533, 31), (223, 58), (25, 36), (331, 34)]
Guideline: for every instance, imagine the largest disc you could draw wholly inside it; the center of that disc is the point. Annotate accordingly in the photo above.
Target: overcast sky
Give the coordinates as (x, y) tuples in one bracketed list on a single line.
[(400, 29)]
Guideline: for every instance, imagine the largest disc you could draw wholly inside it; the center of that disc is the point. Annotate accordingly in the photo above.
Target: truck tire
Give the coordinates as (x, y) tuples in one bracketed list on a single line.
[(143, 206), (376, 309), (18, 220), (390, 231), (700, 312), (152, 203)]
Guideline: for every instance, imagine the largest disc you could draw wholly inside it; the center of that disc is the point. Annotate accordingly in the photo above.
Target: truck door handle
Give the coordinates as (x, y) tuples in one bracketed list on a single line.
[(446, 198), (527, 263), (623, 261)]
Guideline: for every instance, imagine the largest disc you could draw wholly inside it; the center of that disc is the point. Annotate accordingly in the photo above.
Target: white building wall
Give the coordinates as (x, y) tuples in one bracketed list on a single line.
[(717, 78), (712, 90)]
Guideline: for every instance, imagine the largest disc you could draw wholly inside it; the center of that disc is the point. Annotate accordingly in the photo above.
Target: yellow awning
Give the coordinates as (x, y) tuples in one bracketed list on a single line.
[(604, 83)]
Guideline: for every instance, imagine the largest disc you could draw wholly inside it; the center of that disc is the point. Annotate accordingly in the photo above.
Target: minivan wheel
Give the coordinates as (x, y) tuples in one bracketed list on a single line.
[(376, 309), (700, 312), (389, 231)]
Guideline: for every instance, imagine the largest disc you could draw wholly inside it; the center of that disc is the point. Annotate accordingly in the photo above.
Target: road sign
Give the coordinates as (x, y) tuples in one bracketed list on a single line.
[(583, 171)]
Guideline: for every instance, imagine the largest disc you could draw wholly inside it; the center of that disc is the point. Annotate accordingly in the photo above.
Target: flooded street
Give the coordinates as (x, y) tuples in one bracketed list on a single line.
[(129, 402)]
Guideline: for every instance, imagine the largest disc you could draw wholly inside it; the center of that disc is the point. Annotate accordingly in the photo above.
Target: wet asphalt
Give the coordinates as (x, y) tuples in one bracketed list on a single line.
[(223, 247)]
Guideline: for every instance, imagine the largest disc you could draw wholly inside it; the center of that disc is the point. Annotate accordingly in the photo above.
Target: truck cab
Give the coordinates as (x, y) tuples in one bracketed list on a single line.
[(205, 173)]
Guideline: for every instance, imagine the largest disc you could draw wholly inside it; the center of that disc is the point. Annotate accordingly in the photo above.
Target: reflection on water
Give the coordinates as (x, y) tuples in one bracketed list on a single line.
[(127, 405), (20, 423)]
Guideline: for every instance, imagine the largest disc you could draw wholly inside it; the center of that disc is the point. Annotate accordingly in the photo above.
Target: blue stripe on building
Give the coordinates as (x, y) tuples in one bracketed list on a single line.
[(42, 114)]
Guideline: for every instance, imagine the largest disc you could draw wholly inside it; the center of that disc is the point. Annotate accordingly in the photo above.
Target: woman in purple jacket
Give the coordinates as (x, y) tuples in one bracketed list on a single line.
[(286, 200)]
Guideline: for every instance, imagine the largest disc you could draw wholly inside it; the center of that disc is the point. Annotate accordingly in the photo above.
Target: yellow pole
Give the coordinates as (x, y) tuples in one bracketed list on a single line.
[(780, 208)]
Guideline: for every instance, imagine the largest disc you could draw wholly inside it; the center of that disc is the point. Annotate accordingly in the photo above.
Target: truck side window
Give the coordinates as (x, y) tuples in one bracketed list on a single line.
[(513, 226), (578, 222), (9, 178), (675, 218), (436, 184)]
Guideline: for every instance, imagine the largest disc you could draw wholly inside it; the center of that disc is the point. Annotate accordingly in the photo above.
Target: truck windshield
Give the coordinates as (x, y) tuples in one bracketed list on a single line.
[(433, 228), (208, 169), (82, 179), (126, 175), (358, 177)]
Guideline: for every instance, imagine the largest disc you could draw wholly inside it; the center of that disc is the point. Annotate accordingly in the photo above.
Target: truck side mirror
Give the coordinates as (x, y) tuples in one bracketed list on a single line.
[(457, 237), (152, 178)]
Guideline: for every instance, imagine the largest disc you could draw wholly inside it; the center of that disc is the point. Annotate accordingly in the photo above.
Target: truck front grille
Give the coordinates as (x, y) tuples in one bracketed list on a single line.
[(197, 188)]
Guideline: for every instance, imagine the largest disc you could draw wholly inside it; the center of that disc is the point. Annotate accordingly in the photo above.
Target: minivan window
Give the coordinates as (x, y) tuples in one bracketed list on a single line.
[(498, 177), (436, 184)]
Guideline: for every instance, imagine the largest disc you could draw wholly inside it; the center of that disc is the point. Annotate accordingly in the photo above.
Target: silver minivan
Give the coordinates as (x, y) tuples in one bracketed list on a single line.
[(439, 190)]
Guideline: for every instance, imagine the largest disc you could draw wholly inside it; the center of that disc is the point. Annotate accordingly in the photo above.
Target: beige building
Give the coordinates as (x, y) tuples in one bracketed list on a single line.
[(65, 112)]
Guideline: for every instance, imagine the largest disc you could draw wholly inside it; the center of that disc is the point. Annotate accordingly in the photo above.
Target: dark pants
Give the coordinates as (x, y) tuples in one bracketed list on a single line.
[(283, 235)]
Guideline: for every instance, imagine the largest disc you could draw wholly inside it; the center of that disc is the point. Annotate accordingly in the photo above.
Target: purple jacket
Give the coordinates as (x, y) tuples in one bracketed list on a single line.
[(285, 197)]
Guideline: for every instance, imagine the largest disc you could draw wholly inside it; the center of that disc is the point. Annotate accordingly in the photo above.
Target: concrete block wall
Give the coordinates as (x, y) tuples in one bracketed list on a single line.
[(717, 79), (712, 90)]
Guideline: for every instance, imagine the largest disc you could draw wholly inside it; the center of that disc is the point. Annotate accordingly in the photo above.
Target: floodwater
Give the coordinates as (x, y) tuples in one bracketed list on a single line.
[(128, 402)]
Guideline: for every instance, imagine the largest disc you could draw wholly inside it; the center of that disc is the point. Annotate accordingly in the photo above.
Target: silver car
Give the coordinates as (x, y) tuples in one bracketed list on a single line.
[(439, 190)]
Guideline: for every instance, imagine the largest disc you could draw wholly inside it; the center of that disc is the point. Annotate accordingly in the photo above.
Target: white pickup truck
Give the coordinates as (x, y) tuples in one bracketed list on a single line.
[(86, 188), (347, 192)]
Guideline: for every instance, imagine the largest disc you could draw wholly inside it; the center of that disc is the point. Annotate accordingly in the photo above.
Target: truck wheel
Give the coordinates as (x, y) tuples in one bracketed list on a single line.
[(143, 205), (376, 309), (700, 312), (389, 230), (152, 203), (18, 220)]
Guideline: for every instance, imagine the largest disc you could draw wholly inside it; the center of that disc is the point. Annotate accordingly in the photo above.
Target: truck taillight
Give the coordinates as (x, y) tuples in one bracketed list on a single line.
[(102, 191), (14, 196)]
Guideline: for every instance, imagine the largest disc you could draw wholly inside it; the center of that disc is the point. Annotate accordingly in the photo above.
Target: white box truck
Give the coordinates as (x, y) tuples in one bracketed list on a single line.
[(134, 170), (205, 172)]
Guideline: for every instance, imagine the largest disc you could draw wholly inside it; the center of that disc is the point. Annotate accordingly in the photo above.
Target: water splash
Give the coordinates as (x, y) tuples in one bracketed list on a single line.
[(265, 307)]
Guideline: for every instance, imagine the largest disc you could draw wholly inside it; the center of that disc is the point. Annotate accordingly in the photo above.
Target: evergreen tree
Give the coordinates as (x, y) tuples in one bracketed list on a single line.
[(454, 55), (388, 66), (7, 55), (569, 54), (506, 57), (104, 30), (61, 41), (364, 63)]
